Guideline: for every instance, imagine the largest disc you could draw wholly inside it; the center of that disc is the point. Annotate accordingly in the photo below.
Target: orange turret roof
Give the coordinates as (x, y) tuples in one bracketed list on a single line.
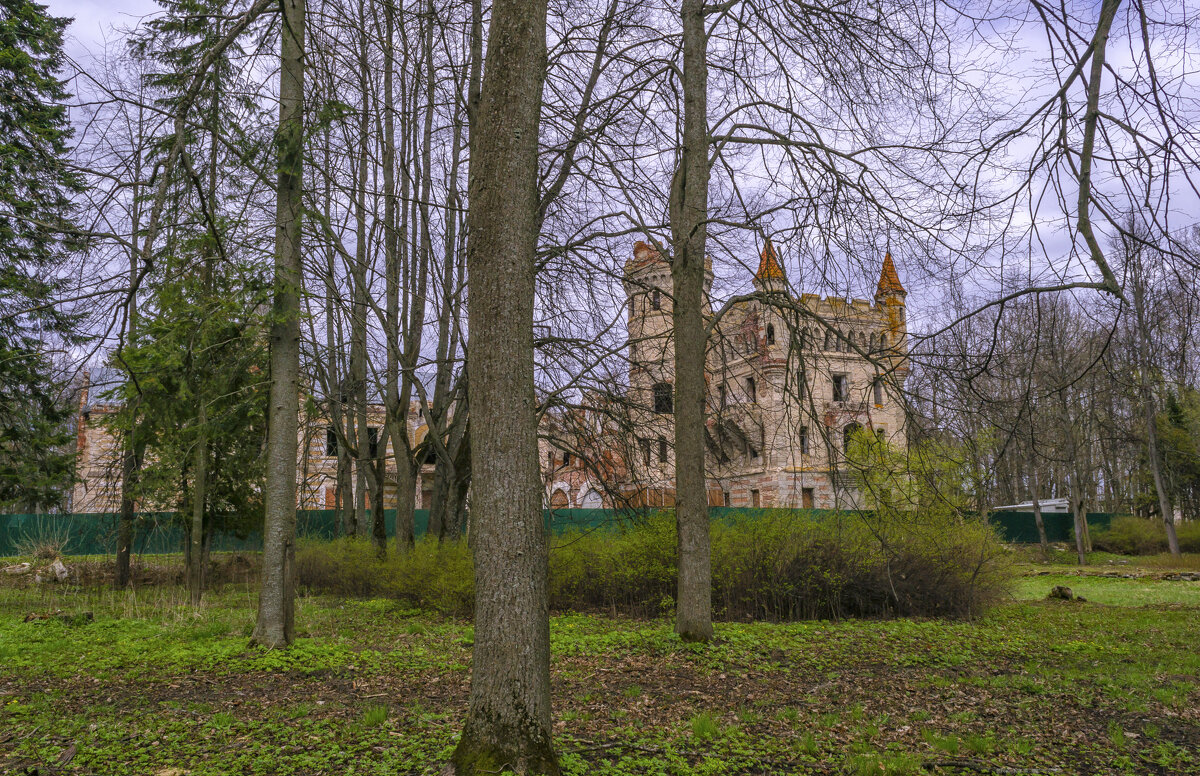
[(889, 279), (768, 264), (643, 256)]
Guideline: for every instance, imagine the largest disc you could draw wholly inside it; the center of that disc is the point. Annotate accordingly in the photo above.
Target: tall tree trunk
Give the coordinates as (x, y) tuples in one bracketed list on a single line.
[(276, 607), (130, 465), (199, 497), (1080, 519), (1037, 504), (1149, 409), (131, 456), (358, 315), (689, 230), (508, 723), (397, 415)]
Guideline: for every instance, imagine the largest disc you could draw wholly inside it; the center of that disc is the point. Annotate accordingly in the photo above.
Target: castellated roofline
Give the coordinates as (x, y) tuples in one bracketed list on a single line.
[(646, 256)]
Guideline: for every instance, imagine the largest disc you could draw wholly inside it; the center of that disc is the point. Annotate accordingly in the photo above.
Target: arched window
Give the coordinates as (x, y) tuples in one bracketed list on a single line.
[(664, 398), (829, 340), (751, 390), (655, 300), (848, 435), (770, 334)]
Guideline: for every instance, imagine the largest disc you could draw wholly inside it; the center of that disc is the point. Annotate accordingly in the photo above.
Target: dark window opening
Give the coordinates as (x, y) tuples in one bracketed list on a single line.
[(770, 334), (550, 458), (566, 459), (373, 441), (664, 398), (755, 500), (839, 388), (829, 341), (728, 499), (751, 453), (632, 306), (878, 387), (645, 443), (655, 300), (331, 445), (662, 450), (751, 390), (722, 396), (804, 440)]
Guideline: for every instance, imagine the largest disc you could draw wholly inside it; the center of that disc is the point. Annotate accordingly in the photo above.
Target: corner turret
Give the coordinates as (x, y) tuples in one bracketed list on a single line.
[(769, 276)]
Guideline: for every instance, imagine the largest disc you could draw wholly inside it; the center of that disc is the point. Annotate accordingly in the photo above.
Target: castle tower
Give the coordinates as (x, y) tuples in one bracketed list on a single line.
[(889, 298), (648, 309), (770, 277)]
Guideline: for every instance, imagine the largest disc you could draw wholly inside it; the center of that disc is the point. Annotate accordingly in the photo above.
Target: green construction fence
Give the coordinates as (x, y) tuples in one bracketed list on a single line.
[(163, 532)]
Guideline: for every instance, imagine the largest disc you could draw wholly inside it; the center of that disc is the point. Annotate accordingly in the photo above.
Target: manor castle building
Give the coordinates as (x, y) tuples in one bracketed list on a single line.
[(791, 380)]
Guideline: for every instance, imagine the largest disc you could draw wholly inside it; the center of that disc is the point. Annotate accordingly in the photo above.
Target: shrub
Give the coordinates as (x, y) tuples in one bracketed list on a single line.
[(782, 565), (432, 576), (1131, 536), (1141, 536)]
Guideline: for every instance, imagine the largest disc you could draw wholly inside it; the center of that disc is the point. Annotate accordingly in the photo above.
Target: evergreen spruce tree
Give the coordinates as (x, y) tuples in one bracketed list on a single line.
[(36, 237)]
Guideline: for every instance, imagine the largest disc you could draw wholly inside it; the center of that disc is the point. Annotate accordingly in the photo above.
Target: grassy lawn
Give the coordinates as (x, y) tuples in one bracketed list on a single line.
[(152, 687)]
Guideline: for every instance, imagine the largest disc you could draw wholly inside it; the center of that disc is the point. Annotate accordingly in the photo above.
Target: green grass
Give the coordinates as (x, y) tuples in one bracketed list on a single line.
[(1111, 591), (373, 687)]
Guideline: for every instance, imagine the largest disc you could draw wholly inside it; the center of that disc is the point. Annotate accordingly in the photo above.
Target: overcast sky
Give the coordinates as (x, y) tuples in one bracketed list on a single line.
[(101, 23), (95, 21)]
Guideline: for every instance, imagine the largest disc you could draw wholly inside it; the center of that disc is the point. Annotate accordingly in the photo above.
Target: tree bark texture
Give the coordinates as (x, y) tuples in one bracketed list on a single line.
[(689, 230), (276, 606), (199, 497), (508, 722)]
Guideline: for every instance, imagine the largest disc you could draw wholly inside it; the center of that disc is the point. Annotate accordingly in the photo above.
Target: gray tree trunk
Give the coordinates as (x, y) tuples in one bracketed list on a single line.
[(275, 626), (1037, 504), (689, 230), (130, 465), (508, 723), (199, 497), (1149, 409)]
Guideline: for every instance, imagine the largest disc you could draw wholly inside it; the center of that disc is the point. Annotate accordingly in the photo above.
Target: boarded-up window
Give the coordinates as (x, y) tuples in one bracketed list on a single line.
[(755, 499), (559, 500), (806, 498)]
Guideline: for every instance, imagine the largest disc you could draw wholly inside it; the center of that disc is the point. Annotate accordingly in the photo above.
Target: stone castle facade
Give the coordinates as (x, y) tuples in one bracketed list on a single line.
[(790, 380)]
